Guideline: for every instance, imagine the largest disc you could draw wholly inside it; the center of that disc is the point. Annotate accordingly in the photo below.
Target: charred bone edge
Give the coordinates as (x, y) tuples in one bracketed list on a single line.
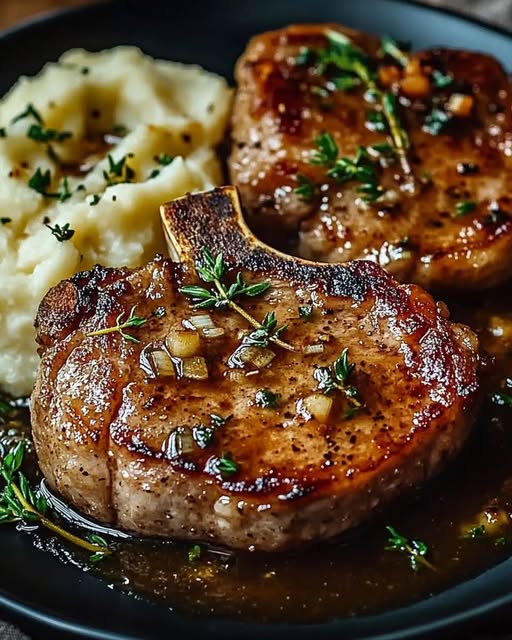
[(214, 219)]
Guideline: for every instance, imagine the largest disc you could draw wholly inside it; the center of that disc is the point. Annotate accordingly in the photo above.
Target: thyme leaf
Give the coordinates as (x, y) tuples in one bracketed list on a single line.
[(337, 377), (267, 399), (226, 465), (118, 171), (120, 326), (415, 550), (464, 207), (390, 47), (40, 182), (40, 134), (440, 79), (212, 270), (30, 112), (19, 502), (502, 398), (61, 233), (194, 553), (436, 122), (305, 188)]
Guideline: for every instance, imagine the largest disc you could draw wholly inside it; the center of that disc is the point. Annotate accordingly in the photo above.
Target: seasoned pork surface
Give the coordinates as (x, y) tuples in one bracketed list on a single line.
[(344, 148), (261, 451)]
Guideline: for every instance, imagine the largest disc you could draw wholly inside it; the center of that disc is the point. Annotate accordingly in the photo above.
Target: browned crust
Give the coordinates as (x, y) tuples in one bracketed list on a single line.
[(91, 399), (276, 119)]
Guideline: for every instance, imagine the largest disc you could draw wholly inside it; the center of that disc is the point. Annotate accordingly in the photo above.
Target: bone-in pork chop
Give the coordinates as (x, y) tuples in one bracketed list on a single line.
[(304, 398), (348, 147)]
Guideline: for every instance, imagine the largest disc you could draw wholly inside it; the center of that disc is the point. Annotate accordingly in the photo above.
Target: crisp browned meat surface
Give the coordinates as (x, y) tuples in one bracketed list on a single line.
[(121, 442), (416, 229)]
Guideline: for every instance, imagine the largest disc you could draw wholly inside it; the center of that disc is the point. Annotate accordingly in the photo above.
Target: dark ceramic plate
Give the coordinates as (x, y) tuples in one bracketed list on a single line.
[(39, 588)]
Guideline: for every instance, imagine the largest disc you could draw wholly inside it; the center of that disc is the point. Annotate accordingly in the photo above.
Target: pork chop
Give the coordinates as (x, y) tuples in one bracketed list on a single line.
[(224, 430), (347, 147)]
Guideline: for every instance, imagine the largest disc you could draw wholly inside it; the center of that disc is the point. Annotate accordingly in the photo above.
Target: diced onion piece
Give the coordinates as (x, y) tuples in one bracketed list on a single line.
[(460, 104), (258, 356), (416, 86), (314, 348), (183, 344), (235, 375), (162, 364), (215, 332), (180, 441), (200, 322), (194, 368), (318, 405), (388, 75)]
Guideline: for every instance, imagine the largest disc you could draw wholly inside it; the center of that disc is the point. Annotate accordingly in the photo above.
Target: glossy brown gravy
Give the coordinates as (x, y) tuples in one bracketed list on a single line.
[(354, 575)]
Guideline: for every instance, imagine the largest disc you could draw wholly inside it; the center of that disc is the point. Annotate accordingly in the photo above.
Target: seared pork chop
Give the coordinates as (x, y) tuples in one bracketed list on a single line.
[(234, 433), (348, 148)]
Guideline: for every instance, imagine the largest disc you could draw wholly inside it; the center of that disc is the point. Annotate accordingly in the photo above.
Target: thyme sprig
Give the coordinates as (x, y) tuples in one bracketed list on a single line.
[(361, 168), (337, 377), (416, 550), (20, 503), (342, 55), (391, 48), (212, 270), (120, 326)]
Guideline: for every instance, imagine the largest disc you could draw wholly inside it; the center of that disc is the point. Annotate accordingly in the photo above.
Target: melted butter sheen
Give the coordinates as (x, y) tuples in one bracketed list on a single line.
[(353, 575)]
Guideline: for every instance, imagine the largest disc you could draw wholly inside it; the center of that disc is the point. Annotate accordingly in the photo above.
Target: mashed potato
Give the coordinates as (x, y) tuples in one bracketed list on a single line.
[(89, 149)]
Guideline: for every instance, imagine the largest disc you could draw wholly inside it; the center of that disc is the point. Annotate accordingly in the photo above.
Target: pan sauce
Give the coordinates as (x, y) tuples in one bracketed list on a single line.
[(354, 575)]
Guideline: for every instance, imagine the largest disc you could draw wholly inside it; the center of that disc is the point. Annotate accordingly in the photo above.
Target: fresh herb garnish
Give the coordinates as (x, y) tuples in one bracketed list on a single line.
[(361, 168), (416, 550), (267, 399), (502, 398), (94, 200), (3, 132), (119, 130), (305, 188), (306, 311), (464, 207), (440, 79), (203, 434), (390, 47), (61, 233), (40, 134), (20, 503), (120, 326), (375, 121), (212, 271), (337, 377), (226, 465), (102, 544), (345, 58), (496, 216), (119, 171), (476, 532), (219, 421), (40, 182), (194, 553), (30, 111), (436, 122), (164, 159), (153, 174), (5, 220), (268, 331)]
